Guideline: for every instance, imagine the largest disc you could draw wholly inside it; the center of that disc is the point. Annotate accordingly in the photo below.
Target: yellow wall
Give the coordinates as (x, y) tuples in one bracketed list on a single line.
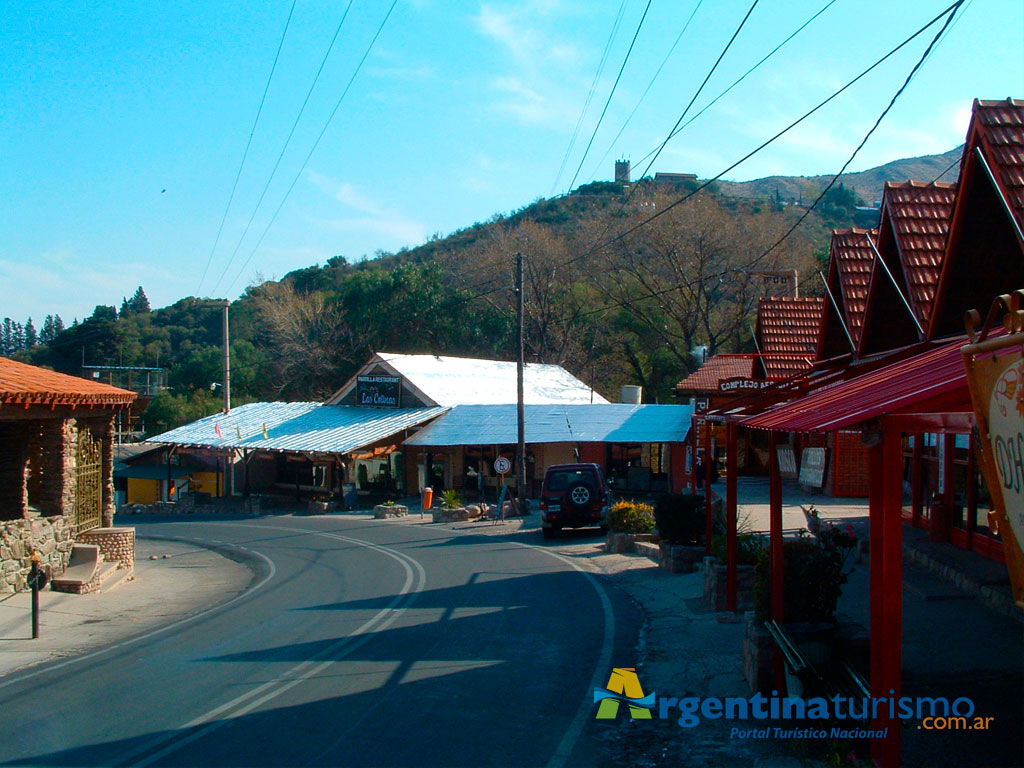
[(143, 491), (206, 482)]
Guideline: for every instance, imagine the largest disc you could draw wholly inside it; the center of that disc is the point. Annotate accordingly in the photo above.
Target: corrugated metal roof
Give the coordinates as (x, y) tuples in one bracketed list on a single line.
[(24, 384), (882, 391), (787, 331), (310, 427), (920, 214), (716, 369), (612, 422), (452, 381)]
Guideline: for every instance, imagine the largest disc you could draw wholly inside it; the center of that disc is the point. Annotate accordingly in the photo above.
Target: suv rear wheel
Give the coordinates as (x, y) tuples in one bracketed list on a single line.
[(578, 495)]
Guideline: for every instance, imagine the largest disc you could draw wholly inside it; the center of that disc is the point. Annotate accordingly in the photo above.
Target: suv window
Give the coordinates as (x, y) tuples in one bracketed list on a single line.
[(559, 481)]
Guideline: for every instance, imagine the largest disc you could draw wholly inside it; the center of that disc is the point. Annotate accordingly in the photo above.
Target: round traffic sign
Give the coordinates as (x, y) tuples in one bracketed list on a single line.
[(502, 465)]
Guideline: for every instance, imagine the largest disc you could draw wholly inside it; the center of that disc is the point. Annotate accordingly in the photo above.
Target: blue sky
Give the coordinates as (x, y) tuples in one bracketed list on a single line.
[(123, 124)]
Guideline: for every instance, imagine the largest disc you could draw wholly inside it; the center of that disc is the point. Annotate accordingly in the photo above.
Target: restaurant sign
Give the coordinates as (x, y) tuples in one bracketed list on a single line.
[(995, 376), (379, 391)]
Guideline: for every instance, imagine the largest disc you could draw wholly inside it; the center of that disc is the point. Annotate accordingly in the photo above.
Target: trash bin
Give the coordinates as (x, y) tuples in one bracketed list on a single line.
[(428, 497)]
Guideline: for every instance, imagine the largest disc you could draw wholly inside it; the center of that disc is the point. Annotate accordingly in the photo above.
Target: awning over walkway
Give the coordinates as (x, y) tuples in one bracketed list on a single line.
[(932, 380), (301, 427), (604, 423)]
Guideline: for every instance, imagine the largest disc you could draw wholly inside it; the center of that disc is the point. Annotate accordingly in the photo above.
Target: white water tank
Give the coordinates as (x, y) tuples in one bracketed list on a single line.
[(632, 394)]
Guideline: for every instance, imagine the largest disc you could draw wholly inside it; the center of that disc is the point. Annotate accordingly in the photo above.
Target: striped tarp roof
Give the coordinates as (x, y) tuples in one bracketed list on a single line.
[(566, 423), (303, 427)]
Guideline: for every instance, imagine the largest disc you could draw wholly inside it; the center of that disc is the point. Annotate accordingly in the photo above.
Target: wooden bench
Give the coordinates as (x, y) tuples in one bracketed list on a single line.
[(828, 679)]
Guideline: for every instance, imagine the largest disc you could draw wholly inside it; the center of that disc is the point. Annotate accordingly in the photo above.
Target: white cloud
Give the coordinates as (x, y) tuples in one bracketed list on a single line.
[(396, 229), (65, 283), (396, 232)]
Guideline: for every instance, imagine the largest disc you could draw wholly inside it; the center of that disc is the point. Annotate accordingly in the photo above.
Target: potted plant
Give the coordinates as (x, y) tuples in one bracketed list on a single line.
[(390, 509), (628, 523)]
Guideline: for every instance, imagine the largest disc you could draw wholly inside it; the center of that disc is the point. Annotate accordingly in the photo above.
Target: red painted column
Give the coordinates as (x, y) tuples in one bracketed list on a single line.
[(892, 579), (876, 470), (775, 550), (693, 455), (915, 481), (709, 527), (730, 516)]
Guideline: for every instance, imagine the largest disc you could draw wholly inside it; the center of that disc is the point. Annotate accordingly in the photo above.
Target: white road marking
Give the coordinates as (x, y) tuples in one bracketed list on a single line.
[(153, 633), (603, 667), (301, 672)]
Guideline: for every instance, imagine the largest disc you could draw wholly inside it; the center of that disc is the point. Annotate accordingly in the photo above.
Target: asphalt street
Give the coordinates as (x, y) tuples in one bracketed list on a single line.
[(358, 643)]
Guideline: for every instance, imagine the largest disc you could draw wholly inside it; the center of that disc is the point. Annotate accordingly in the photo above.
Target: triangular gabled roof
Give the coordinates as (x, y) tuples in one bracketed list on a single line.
[(911, 240), (787, 334), (854, 256), (984, 254)]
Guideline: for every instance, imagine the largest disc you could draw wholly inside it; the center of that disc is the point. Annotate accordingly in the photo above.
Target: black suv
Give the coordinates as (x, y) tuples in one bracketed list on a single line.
[(573, 495)]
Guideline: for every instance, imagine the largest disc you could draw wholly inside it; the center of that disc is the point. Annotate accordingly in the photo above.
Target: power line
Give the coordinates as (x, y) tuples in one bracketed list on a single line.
[(867, 136), (248, 144), (701, 88), (610, 94), (648, 88), (949, 13), (287, 141), (704, 185), (590, 95), (743, 77), (632, 191), (316, 143)]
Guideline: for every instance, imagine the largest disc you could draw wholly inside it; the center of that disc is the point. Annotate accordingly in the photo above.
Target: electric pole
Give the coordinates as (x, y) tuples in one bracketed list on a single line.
[(520, 410), (224, 304)]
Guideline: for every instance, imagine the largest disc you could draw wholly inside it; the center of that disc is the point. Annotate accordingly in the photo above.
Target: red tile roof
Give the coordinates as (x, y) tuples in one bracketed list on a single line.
[(23, 385), (920, 215), (1001, 125), (854, 256), (717, 369), (787, 333)]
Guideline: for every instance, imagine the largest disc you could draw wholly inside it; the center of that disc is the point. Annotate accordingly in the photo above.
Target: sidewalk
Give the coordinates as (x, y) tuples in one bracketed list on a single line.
[(181, 581)]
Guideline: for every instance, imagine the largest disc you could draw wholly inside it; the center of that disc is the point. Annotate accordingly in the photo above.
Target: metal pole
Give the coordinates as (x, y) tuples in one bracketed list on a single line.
[(520, 408), (33, 577), (227, 362)]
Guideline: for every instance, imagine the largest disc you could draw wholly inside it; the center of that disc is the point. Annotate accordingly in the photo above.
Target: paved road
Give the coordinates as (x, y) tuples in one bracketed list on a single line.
[(359, 644)]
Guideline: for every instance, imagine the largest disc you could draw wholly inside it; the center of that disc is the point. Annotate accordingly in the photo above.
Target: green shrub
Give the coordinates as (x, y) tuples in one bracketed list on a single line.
[(680, 518), (813, 579), (450, 499), (628, 517), (749, 547)]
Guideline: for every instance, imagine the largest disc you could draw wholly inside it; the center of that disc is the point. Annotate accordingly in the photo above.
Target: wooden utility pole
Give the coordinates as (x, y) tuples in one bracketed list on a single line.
[(520, 409)]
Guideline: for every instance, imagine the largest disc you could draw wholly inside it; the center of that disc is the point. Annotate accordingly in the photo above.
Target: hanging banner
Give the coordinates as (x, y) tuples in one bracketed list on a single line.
[(995, 376)]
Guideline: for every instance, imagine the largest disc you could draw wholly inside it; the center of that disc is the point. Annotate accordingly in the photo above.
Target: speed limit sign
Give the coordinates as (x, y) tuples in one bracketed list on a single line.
[(502, 465)]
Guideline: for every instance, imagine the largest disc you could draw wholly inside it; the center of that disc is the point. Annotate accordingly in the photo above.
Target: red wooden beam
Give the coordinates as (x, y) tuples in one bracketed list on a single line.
[(730, 515), (775, 550), (876, 467), (709, 527), (892, 586)]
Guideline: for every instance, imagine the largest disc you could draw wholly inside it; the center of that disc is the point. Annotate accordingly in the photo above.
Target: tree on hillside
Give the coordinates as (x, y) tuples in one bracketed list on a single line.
[(690, 276)]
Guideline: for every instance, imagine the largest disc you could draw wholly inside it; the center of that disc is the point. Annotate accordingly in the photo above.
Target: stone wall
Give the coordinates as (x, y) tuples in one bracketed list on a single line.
[(50, 536), (116, 544), (716, 587)]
